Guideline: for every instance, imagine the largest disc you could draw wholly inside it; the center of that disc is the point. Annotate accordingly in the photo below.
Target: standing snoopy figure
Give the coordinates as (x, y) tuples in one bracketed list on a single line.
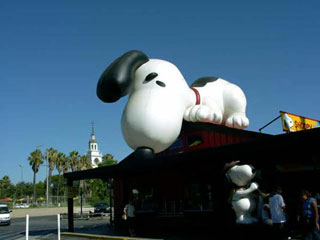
[(160, 98)]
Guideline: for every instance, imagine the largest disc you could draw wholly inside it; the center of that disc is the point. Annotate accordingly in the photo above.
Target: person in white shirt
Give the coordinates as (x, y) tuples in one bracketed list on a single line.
[(277, 210), (129, 211)]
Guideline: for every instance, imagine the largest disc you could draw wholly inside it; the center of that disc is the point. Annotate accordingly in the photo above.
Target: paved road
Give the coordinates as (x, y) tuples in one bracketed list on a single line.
[(45, 227), (34, 212)]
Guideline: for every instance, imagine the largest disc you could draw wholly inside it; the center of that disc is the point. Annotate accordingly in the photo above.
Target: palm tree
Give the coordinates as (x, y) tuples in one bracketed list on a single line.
[(66, 165), (35, 160), (52, 158), (84, 164), (74, 160), (60, 164)]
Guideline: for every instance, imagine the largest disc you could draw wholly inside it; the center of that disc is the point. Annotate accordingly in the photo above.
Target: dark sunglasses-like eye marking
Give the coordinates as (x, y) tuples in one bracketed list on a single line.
[(150, 76), (161, 84)]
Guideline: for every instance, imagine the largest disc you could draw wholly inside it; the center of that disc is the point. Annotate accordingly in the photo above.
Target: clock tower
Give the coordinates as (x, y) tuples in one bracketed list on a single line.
[(93, 154)]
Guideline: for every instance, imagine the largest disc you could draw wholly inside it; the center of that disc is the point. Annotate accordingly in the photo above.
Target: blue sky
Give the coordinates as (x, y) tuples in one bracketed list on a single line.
[(53, 52)]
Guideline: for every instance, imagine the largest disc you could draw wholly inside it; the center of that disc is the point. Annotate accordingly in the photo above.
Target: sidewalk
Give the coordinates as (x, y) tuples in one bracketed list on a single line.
[(35, 212)]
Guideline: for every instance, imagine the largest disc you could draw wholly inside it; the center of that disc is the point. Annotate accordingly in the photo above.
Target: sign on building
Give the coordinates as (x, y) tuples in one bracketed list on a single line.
[(293, 123)]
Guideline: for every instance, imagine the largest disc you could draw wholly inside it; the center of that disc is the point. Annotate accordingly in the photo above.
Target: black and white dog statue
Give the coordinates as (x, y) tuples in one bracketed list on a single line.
[(160, 98)]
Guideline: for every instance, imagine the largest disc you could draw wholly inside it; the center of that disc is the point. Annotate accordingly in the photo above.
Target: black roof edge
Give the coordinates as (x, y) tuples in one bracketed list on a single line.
[(99, 172), (278, 141)]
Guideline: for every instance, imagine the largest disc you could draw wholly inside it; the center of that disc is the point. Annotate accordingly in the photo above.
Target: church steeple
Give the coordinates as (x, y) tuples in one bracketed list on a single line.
[(93, 153), (93, 144), (92, 126)]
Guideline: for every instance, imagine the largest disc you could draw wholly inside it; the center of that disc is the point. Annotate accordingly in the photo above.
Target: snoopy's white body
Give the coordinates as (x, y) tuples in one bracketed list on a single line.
[(160, 98), (221, 103), (244, 204), (243, 201), (153, 115)]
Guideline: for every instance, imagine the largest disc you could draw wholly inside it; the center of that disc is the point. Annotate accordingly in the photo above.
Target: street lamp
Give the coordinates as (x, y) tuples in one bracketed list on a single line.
[(47, 182), (21, 166)]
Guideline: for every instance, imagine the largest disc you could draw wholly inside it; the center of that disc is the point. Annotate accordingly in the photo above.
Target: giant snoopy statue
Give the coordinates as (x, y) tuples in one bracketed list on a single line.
[(160, 98)]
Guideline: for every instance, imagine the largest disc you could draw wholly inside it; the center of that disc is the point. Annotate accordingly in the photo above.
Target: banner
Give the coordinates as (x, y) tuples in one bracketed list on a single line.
[(293, 123)]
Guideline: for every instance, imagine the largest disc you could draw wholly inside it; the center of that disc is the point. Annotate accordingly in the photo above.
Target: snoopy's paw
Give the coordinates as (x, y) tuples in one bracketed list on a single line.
[(197, 113), (254, 186), (216, 117), (237, 120)]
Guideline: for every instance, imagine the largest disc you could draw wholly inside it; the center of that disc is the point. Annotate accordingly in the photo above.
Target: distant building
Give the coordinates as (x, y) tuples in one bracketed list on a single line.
[(94, 154)]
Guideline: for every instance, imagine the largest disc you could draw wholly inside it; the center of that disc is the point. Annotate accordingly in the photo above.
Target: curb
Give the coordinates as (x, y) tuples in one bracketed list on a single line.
[(93, 236)]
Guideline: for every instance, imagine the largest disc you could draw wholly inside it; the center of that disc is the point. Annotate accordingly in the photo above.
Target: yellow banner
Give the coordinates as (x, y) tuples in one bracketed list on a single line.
[(294, 123)]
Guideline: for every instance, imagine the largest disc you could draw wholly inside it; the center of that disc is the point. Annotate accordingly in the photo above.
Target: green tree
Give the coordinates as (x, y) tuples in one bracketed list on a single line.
[(99, 191), (7, 189), (57, 185), (35, 160), (52, 155), (74, 160), (41, 189), (107, 160), (60, 165), (99, 188), (84, 164), (23, 189), (66, 164)]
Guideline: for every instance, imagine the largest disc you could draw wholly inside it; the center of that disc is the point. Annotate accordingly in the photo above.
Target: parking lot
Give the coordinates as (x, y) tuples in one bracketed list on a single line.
[(45, 227)]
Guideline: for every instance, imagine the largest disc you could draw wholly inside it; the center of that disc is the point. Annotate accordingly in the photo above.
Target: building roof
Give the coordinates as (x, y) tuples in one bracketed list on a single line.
[(261, 150)]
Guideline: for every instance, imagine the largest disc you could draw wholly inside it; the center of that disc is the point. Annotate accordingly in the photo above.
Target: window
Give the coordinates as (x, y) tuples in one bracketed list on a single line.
[(4, 210), (144, 198), (198, 197)]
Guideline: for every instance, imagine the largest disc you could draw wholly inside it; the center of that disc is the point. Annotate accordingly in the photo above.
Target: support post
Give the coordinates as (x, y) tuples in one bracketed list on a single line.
[(58, 219), (27, 227), (260, 129), (70, 206), (110, 187), (81, 201)]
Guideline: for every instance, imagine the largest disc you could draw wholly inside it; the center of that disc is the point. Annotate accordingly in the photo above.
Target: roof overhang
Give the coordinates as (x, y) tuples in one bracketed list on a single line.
[(297, 146)]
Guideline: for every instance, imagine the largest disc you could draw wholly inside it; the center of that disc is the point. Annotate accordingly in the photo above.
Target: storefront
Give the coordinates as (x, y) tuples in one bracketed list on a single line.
[(186, 183)]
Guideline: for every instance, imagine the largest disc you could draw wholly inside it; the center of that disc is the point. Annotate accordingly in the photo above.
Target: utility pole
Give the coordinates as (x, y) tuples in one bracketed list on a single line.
[(47, 185), (21, 166)]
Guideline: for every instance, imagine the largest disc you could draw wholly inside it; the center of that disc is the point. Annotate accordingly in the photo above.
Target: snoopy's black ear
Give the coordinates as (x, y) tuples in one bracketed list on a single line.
[(116, 80)]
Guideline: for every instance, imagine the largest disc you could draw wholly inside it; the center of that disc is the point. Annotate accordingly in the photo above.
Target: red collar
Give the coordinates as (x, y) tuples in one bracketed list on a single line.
[(197, 95)]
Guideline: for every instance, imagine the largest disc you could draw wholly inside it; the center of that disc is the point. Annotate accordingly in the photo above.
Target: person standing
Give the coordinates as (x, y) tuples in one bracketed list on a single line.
[(277, 210), (129, 211), (263, 209), (310, 216)]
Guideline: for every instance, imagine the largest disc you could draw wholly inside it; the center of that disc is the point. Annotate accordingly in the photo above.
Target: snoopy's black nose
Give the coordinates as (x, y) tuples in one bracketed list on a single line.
[(253, 170), (144, 153)]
